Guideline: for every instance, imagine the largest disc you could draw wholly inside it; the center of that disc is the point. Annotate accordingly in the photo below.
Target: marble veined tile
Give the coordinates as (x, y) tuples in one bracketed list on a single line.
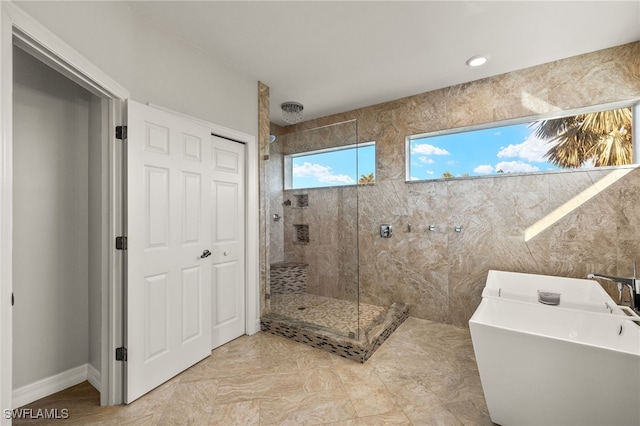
[(371, 397), (471, 412), (305, 408), (387, 419), (248, 387), (424, 374), (420, 405), (238, 413), (191, 402), (321, 379)]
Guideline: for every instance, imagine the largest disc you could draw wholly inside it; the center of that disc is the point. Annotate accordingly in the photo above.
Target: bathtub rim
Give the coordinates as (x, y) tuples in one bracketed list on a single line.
[(483, 305)]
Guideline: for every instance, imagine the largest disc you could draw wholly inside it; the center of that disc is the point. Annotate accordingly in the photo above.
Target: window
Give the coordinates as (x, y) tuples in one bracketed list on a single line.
[(591, 139), (346, 165)]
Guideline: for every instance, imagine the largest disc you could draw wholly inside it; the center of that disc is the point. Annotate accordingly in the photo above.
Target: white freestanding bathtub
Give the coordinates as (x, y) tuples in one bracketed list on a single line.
[(575, 363)]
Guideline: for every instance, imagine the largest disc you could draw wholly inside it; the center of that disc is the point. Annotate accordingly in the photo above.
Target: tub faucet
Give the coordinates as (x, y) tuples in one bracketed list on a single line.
[(632, 282)]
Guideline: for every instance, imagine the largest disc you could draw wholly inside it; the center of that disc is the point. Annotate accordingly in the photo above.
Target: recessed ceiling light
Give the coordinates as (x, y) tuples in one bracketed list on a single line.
[(476, 61)]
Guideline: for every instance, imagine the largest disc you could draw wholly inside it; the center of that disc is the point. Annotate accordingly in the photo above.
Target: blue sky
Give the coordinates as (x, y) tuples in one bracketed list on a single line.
[(333, 168), (510, 149)]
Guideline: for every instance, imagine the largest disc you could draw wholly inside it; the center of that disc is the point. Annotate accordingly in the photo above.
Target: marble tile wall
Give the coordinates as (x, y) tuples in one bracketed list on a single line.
[(441, 274), (267, 190), (333, 237)]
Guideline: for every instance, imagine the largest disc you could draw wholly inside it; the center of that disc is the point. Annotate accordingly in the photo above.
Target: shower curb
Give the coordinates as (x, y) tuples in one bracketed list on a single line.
[(359, 350)]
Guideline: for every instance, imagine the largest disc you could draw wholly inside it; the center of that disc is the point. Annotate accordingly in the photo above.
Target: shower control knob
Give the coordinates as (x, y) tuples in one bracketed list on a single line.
[(386, 231)]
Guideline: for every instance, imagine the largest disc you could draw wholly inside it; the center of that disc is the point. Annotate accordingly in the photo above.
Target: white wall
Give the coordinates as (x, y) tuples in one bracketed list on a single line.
[(152, 63), (51, 211), (101, 31)]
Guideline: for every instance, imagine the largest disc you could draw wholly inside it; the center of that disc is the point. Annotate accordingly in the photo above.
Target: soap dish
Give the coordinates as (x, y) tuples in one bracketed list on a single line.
[(548, 297)]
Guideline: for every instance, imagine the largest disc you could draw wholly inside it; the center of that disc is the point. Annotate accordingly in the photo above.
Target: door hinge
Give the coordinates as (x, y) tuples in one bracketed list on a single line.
[(121, 243), (121, 354), (13, 300), (121, 132)]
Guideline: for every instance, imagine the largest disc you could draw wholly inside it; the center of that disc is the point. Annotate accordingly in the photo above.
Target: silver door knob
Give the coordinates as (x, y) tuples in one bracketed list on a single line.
[(205, 253)]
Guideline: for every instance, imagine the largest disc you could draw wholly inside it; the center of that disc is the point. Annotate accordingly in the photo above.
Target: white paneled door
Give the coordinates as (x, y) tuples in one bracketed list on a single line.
[(227, 237), (169, 226)]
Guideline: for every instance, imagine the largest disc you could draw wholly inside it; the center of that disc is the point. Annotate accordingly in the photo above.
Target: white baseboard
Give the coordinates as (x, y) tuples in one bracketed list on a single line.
[(256, 328), (93, 377), (56, 383)]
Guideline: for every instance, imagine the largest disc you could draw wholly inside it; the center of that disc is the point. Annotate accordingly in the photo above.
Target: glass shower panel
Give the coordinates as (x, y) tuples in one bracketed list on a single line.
[(314, 241)]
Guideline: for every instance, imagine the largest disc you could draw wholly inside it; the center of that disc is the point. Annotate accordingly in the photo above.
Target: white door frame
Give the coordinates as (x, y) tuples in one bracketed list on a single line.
[(46, 46)]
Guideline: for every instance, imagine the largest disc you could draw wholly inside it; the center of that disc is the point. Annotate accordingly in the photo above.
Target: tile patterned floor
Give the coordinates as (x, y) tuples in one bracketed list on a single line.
[(424, 374), (339, 316)]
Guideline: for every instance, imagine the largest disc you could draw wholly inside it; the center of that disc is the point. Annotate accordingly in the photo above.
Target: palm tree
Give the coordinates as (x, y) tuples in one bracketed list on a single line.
[(366, 179), (604, 138)]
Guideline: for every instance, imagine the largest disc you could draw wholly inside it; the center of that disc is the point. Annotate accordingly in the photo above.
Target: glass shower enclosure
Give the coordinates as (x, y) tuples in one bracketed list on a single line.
[(312, 181)]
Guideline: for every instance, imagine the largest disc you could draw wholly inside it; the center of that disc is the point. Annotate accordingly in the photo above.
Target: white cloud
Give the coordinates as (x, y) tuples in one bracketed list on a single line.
[(484, 169), (430, 172), (515, 167), (321, 173), (532, 149), (426, 149), (426, 160)]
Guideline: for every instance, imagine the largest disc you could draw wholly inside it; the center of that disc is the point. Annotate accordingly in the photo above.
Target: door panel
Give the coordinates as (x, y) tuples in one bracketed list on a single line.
[(157, 206), (225, 278), (168, 228), (191, 294), (192, 194), (155, 313), (228, 223)]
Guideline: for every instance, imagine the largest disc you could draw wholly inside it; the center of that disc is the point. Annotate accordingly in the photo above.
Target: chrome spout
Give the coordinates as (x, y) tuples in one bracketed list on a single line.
[(632, 282), (621, 280)]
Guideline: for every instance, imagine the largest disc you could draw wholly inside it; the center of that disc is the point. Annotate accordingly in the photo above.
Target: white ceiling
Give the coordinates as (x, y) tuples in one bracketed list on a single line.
[(335, 56)]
